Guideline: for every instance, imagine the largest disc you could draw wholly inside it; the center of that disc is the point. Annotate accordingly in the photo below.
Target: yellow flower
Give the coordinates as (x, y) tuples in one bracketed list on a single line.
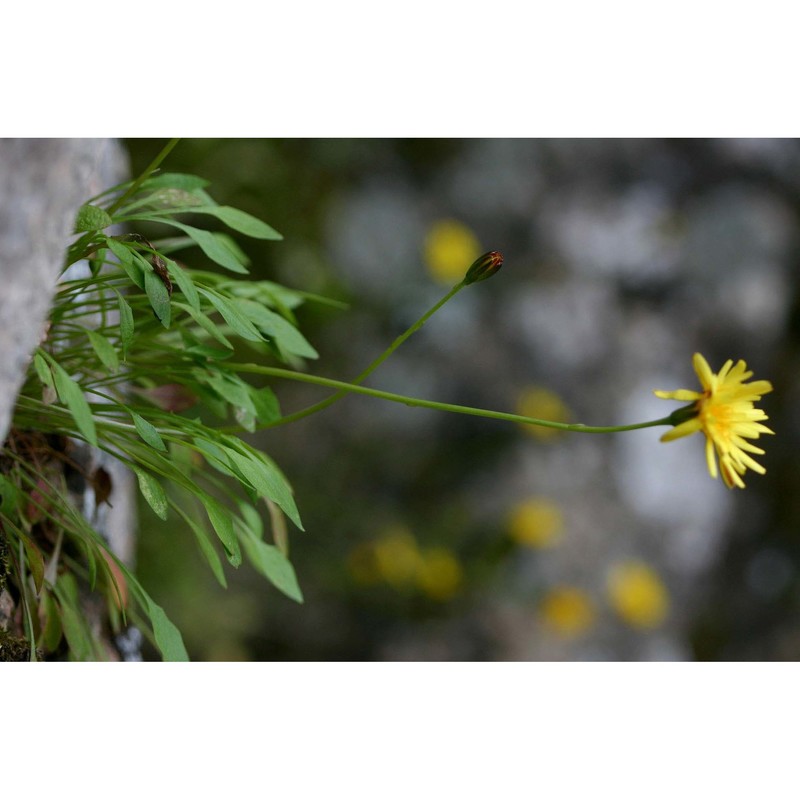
[(536, 523), (542, 404), (439, 575), (567, 610), (393, 558), (638, 594), (397, 557), (725, 413), (450, 247)]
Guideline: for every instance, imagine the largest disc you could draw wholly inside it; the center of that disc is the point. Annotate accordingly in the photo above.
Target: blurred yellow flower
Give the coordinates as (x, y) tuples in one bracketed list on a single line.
[(397, 557), (536, 522), (567, 610), (450, 247), (440, 575), (394, 558), (542, 404), (725, 413), (637, 594)]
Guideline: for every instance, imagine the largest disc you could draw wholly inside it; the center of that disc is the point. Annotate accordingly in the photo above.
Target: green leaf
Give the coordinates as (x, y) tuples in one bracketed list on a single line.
[(205, 323), (208, 243), (230, 387), (265, 478), (274, 566), (216, 457), (231, 244), (51, 635), (252, 520), (231, 313), (153, 492), (266, 404), (168, 637), (42, 370), (176, 180), (212, 353), (285, 334), (73, 398), (240, 221), (73, 622), (148, 432), (35, 562), (159, 297), (127, 261), (185, 284), (91, 218), (222, 521), (207, 549), (9, 495), (105, 350), (125, 324), (167, 198)]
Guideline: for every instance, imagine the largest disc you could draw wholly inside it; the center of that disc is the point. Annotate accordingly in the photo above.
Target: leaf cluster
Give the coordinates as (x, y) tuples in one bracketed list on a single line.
[(135, 363)]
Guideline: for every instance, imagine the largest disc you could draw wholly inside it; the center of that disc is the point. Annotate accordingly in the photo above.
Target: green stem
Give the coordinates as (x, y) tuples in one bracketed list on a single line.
[(323, 404), (347, 388), (134, 187)]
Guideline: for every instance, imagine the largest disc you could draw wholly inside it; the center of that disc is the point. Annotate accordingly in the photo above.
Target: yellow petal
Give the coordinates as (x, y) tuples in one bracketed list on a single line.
[(703, 370), (711, 459), (684, 429), (683, 395)]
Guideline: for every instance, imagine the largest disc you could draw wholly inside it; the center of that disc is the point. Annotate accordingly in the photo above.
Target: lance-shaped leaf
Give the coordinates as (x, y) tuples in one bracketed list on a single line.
[(72, 397)]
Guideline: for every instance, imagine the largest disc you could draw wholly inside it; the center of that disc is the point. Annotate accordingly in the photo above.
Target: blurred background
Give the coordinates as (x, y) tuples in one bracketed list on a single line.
[(431, 536)]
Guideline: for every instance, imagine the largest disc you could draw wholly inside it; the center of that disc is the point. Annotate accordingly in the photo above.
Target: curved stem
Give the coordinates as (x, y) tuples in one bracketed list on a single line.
[(348, 388), (134, 187), (323, 404)]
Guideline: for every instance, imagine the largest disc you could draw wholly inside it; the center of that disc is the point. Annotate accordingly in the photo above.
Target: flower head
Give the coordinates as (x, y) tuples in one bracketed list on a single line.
[(567, 610), (484, 267), (637, 594), (448, 246), (725, 413), (536, 522)]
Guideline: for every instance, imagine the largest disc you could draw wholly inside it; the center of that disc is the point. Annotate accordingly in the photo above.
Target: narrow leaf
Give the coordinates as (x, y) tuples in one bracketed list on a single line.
[(76, 631), (240, 221), (127, 261), (208, 243), (9, 496), (125, 324), (105, 350), (222, 521), (207, 549), (266, 479), (176, 180), (168, 637), (35, 562), (285, 334), (42, 370), (233, 315), (274, 566), (266, 404), (159, 297), (148, 432), (185, 284), (153, 492), (73, 398), (206, 324), (230, 387)]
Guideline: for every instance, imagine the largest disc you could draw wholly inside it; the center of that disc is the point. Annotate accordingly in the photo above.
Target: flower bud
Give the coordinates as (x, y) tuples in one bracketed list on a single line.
[(484, 267)]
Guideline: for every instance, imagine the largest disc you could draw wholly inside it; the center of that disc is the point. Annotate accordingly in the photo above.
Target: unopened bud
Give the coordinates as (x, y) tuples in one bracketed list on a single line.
[(484, 267)]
